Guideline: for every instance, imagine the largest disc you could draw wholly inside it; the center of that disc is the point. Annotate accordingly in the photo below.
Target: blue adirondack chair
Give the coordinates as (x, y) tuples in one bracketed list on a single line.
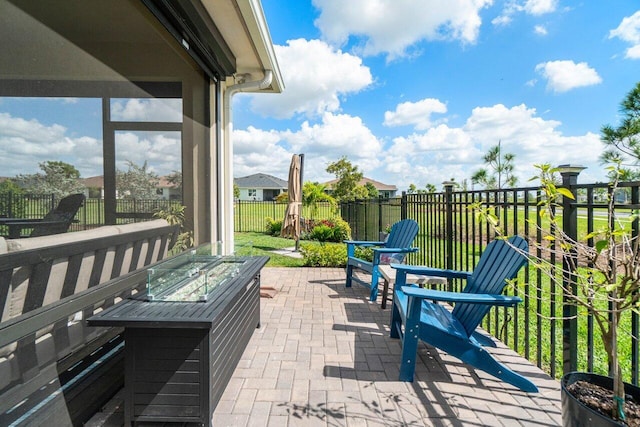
[(454, 331), (394, 249)]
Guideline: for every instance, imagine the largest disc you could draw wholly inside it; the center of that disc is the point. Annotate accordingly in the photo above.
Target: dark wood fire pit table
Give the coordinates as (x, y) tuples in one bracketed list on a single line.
[(185, 335)]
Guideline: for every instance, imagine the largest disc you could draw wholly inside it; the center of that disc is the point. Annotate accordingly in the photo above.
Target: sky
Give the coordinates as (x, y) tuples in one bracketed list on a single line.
[(416, 92), (409, 91)]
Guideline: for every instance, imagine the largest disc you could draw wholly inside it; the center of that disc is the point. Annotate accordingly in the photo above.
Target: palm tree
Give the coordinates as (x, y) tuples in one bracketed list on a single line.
[(501, 172), (312, 194)]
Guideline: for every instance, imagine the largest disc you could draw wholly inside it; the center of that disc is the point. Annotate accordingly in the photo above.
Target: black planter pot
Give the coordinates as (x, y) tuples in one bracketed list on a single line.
[(577, 414)]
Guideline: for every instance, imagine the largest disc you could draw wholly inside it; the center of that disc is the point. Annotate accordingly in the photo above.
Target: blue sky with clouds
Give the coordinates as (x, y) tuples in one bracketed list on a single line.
[(417, 91), (411, 91)]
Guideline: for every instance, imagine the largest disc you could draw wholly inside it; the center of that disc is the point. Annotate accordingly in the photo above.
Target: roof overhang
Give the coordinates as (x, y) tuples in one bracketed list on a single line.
[(243, 27), (227, 38)]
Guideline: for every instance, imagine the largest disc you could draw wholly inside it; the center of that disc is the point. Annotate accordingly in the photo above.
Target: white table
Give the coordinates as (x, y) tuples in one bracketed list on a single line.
[(389, 276)]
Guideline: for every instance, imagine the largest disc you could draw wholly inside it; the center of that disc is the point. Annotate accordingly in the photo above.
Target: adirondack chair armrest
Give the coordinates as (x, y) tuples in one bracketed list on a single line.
[(395, 250), (363, 243), (351, 246), (463, 297), (429, 271), (19, 221)]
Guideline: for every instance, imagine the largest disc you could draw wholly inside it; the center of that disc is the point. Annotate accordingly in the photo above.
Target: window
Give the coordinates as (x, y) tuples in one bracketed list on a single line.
[(252, 192)]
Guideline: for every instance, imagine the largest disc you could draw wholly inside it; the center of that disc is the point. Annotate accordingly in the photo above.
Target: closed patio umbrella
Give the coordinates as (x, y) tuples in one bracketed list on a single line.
[(291, 222)]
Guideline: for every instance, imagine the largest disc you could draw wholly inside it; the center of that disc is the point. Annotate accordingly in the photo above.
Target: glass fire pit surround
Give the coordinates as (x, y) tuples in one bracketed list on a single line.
[(192, 276)]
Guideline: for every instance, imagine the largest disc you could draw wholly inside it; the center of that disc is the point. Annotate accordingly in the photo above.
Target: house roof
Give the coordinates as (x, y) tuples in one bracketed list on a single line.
[(379, 185), (93, 181), (261, 180)]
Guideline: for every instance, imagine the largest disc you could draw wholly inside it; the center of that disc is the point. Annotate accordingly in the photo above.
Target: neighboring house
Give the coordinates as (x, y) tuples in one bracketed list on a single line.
[(94, 188), (194, 54), (260, 186), (167, 190), (384, 190)]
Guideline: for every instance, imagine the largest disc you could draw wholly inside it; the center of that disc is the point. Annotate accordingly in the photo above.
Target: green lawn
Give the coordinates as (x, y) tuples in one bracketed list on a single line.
[(257, 244)]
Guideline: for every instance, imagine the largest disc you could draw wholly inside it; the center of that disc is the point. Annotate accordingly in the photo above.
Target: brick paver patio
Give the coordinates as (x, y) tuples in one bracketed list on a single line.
[(323, 357)]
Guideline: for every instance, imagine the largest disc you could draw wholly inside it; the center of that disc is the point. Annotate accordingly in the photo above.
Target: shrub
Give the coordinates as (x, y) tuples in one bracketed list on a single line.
[(342, 230), (331, 230), (175, 215), (322, 233), (273, 226), (364, 253), (324, 255)]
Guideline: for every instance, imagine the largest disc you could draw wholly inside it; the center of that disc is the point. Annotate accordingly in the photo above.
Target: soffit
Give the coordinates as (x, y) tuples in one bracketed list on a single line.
[(243, 27)]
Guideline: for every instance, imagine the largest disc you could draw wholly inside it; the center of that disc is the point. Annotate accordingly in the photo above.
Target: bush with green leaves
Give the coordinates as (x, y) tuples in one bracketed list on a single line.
[(273, 226), (174, 215), (331, 230), (324, 254), (322, 233), (365, 253)]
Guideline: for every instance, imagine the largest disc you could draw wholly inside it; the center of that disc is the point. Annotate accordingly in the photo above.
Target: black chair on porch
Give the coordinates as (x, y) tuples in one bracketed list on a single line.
[(56, 221)]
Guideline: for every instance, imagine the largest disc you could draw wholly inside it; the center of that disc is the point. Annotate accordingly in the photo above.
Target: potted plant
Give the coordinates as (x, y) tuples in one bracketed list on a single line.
[(601, 279)]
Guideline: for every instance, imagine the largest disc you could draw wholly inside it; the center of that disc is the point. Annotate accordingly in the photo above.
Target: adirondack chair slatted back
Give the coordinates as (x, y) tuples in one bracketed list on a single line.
[(63, 213), (402, 235), (499, 262)]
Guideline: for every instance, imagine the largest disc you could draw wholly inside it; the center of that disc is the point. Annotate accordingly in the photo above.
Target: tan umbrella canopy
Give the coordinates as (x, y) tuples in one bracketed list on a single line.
[(291, 222)]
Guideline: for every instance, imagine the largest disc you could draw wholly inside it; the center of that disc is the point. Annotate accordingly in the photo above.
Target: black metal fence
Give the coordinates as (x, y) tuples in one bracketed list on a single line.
[(251, 216), (452, 237), (90, 215)]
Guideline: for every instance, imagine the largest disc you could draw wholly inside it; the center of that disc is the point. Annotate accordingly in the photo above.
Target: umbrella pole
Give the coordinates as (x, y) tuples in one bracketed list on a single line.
[(302, 192)]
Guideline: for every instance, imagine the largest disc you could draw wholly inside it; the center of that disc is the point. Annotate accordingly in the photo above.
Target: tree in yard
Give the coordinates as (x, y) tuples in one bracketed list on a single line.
[(429, 188), (372, 191), (137, 182), (314, 193), (499, 172), (57, 178), (282, 197), (623, 142), (359, 192), (236, 191), (12, 202), (175, 179), (348, 177)]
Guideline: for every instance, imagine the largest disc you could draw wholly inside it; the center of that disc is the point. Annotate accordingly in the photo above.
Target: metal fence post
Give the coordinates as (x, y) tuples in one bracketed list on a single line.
[(569, 310), (380, 229), (403, 206), (448, 199)]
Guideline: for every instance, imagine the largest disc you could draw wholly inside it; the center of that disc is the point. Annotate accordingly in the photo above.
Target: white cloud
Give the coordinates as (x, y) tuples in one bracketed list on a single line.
[(629, 31), (392, 26), (531, 7), (540, 7), (414, 113), (316, 75), (502, 20), (563, 76), (151, 110), (434, 155), (161, 150), (443, 152), (26, 143), (540, 30), (335, 136), (259, 151)]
